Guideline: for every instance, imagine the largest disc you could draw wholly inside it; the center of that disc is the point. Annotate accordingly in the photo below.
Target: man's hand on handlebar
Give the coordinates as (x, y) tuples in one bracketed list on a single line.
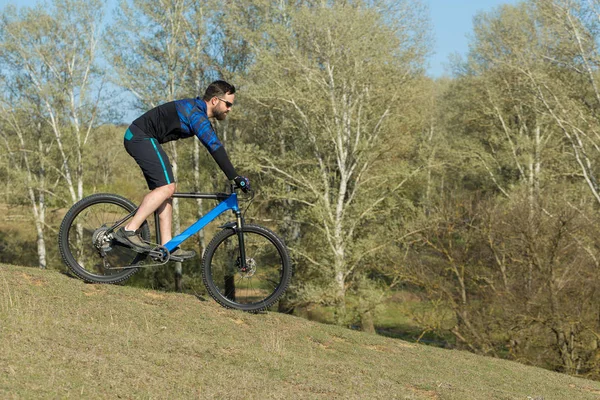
[(243, 183)]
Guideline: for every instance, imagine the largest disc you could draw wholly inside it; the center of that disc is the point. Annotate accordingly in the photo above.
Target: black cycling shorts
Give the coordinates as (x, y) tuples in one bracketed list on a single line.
[(150, 156)]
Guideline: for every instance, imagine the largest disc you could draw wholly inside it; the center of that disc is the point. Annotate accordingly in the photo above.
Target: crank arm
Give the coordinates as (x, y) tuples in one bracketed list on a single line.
[(157, 255)]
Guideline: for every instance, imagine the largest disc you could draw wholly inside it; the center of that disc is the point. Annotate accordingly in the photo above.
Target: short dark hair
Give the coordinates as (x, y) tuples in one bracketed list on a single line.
[(218, 89)]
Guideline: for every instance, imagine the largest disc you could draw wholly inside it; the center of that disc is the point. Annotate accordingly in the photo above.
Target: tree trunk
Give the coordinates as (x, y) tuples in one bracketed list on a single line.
[(197, 187), (340, 306), (176, 220), (366, 322), (39, 214), (39, 228)]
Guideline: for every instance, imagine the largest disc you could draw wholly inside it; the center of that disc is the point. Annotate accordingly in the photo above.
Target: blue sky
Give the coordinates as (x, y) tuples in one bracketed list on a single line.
[(451, 21)]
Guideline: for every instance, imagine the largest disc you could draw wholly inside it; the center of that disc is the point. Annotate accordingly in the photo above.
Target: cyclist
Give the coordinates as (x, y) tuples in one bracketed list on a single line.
[(173, 121)]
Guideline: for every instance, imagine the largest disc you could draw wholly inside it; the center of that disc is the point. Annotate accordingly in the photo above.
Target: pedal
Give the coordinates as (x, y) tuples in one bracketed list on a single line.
[(162, 255)]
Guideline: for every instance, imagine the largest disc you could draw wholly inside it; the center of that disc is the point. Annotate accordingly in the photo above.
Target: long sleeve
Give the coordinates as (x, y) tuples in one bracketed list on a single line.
[(222, 159)]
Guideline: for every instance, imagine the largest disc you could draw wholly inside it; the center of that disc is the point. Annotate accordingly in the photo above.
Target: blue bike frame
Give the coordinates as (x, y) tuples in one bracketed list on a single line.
[(229, 202)]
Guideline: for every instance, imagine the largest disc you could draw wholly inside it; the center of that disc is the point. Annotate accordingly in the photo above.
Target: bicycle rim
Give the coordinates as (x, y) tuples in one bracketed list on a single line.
[(84, 258)]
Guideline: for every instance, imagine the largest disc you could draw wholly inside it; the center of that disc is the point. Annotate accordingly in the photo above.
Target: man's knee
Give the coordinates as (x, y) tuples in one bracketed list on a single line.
[(172, 187), (168, 190)]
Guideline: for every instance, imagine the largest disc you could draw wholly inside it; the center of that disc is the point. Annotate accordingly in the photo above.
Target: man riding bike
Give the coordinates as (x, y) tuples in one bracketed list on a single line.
[(173, 121)]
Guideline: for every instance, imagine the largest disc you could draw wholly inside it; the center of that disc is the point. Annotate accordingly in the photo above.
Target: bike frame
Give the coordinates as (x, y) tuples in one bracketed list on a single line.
[(228, 202)]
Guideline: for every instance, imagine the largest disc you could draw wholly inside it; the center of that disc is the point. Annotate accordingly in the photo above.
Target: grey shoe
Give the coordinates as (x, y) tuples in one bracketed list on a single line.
[(183, 254), (130, 239)]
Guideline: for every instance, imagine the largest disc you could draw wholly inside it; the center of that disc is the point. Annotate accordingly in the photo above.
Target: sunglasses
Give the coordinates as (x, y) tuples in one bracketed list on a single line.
[(228, 104)]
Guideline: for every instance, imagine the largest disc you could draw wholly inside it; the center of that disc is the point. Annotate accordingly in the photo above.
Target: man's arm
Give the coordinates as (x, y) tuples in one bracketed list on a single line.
[(222, 159), (205, 132)]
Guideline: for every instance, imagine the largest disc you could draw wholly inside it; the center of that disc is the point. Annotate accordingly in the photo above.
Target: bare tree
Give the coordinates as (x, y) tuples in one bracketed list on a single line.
[(333, 102), (49, 56)]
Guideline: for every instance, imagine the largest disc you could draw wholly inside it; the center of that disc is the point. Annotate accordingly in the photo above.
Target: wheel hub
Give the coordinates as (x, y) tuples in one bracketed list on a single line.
[(249, 270), (101, 241)]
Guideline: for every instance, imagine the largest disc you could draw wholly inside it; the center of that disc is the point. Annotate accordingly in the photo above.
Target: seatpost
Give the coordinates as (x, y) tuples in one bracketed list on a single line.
[(157, 226)]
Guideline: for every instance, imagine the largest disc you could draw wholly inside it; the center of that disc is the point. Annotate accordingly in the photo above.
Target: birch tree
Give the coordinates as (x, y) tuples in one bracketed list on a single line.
[(55, 50), (26, 148), (510, 256), (553, 49), (514, 142), (48, 56), (571, 96), (334, 81)]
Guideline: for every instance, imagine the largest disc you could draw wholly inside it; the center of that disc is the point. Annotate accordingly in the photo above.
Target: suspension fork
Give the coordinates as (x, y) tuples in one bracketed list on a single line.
[(240, 235)]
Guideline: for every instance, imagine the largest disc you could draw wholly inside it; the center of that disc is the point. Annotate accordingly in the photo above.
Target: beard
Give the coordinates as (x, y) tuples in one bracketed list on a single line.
[(220, 115)]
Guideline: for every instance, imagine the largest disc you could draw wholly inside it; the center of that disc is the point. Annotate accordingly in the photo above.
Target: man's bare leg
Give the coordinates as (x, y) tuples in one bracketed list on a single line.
[(165, 216), (152, 202), (159, 200)]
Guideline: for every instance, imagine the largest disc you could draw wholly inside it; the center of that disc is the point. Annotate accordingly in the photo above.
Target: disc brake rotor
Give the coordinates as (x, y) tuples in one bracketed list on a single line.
[(250, 269)]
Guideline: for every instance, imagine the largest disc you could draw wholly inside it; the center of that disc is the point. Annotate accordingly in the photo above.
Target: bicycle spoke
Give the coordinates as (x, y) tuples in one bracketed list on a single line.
[(84, 245)]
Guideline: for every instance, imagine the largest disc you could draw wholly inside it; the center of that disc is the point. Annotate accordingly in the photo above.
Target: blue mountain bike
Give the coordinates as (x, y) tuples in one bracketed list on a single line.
[(245, 266)]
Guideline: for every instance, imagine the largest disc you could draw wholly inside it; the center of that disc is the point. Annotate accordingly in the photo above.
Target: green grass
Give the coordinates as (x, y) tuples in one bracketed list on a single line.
[(61, 338), (396, 318)]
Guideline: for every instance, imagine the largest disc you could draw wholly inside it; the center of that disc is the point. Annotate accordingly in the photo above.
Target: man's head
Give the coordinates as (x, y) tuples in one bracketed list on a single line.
[(219, 97)]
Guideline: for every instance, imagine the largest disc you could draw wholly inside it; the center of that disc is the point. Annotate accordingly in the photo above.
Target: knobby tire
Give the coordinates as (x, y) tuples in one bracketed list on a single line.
[(75, 238), (268, 275)]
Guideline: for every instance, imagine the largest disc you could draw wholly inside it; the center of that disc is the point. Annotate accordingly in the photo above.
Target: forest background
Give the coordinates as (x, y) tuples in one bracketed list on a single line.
[(460, 210)]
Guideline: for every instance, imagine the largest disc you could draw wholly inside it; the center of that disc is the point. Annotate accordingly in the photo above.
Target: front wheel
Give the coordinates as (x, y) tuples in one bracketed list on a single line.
[(261, 283)]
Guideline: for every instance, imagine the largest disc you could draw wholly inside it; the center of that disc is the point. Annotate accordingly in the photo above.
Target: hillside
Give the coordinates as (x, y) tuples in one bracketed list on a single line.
[(61, 338)]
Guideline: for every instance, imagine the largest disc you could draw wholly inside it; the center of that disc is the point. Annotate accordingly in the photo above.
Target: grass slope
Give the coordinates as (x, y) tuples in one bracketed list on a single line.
[(61, 338)]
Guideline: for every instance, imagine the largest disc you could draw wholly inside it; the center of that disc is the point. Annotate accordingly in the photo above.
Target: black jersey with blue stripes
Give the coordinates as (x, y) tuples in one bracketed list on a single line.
[(180, 119)]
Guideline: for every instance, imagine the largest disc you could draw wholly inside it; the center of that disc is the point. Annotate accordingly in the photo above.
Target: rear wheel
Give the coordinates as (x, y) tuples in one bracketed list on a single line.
[(87, 247), (264, 280)]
